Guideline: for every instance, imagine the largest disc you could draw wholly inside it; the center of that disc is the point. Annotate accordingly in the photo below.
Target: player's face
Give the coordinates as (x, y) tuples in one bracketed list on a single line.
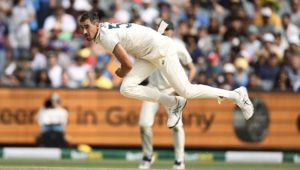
[(89, 29)]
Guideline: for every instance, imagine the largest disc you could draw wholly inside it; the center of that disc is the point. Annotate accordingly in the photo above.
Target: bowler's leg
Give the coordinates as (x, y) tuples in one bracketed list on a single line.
[(176, 76), (178, 79), (130, 85)]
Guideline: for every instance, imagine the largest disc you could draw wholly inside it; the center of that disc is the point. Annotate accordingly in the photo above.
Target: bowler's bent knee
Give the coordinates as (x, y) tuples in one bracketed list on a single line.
[(127, 90), (185, 93)]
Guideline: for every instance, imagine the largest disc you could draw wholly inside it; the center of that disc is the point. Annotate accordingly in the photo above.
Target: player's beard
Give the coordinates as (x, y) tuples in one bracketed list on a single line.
[(87, 37)]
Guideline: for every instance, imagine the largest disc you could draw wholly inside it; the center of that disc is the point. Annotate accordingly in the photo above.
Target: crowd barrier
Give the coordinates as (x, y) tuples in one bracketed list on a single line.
[(100, 118)]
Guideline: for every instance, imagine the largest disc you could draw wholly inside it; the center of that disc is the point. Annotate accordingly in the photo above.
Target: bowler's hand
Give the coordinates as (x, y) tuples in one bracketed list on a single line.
[(121, 73)]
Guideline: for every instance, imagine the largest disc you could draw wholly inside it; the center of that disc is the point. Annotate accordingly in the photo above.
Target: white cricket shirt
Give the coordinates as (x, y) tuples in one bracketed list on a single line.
[(137, 40)]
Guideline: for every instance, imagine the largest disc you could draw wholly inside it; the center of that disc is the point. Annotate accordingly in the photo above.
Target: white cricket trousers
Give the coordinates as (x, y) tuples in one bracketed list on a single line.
[(147, 117), (169, 65)]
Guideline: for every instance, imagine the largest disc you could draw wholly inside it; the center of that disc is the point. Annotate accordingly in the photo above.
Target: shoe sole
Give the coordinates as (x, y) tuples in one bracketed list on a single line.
[(171, 127)]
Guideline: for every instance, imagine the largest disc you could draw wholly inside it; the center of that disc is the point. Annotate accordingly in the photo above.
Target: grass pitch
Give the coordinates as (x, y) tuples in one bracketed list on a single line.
[(118, 164)]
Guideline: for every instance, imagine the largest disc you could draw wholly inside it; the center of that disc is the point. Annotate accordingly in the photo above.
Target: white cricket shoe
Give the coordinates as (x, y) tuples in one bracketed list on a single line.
[(178, 165), (244, 102), (175, 112), (147, 162)]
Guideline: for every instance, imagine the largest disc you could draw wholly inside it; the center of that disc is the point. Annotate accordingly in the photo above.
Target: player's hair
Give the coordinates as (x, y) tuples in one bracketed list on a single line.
[(91, 15)]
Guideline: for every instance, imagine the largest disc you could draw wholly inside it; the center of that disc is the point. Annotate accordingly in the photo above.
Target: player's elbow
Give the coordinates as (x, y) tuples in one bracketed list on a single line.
[(128, 66)]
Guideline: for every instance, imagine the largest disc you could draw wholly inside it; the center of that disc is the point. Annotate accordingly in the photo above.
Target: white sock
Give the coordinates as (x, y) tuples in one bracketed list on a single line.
[(167, 100)]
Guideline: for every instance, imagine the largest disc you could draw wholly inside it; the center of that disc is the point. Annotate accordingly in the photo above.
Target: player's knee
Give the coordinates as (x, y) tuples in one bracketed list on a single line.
[(186, 94), (145, 123), (126, 90)]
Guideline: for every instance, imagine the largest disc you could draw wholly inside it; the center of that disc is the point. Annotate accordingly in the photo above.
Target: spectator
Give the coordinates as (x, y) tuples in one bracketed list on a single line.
[(281, 43), (200, 14), (39, 61), (295, 13), (3, 42), (267, 48), (52, 119), (268, 71), (54, 70), (191, 42), (288, 28), (293, 46), (252, 44), (204, 40), (19, 28), (135, 15), (91, 80), (241, 76), (23, 73), (66, 80), (293, 71), (96, 6), (282, 82), (235, 28), (215, 28), (95, 79), (254, 83), (81, 6), (201, 78), (119, 14), (78, 70), (60, 21), (228, 82), (267, 20), (9, 78), (214, 67), (148, 13), (42, 79), (235, 50), (165, 10), (60, 46), (43, 10)]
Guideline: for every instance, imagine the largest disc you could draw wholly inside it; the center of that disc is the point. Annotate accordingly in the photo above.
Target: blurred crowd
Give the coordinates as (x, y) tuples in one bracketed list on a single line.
[(252, 43)]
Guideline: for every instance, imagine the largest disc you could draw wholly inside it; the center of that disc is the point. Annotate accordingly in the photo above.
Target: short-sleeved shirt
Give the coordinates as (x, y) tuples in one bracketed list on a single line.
[(137, 40)]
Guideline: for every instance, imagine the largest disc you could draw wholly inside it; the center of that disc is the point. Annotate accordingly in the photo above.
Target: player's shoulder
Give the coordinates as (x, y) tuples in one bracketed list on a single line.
[(103, 32), (62, 110), (104, 25), (178, 41)]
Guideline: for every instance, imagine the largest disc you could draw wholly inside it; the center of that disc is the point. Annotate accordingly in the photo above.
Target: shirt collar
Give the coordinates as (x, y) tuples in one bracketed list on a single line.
[(97, 37)]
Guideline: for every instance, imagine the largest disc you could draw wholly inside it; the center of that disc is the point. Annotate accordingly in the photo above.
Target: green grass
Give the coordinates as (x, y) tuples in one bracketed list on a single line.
[(115, 164)]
